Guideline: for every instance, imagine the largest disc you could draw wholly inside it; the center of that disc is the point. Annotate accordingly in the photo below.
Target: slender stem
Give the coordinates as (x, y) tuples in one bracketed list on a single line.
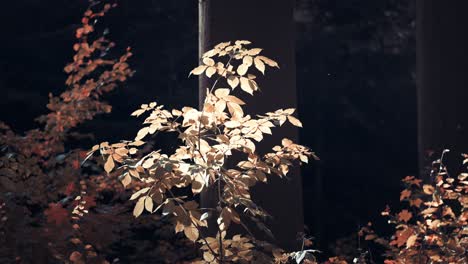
[(221, 249)]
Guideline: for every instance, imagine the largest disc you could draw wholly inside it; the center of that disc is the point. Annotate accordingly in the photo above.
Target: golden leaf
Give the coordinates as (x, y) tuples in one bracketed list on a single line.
[(191, 233), (259, 65), (198, 70), (109, 165), (294, 121), (232, 124), (411, 240), (233, 99), (126, 180), (140, 205), (138, 112), (210, 53), (235, 110), (242, 69), (142, 133), (210, 71), (245, 85), (149, 204), (268, 61), (208, 61), (247, 60), (233, 81), (221, 93), (242, 42), (254, 51), (207, 256), (138, 193)]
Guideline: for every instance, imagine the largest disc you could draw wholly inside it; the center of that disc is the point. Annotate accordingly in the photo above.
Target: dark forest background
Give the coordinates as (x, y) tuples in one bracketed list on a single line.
[(355, 72)]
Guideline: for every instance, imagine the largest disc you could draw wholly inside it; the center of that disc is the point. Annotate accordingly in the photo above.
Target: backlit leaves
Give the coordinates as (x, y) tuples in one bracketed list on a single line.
[(209, 137)]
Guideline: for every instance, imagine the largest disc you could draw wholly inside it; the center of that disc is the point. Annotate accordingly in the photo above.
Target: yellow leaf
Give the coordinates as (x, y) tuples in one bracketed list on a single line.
[(207, 256), (126, 180), (210, 71), (232, 124), (191, 233), (221, 93), (259, 65), (411, 241), (198, 70), (233, 99), (294, 121), (247, 60), (138, 112), (245, 85), (235, 110), (242, 69), (268, 61), (242, 42), (208, 61), (139, 207), (233, 81), (149, 204), (109, 166), (254, 51), (138, 193), (142, 133), (210, 53)]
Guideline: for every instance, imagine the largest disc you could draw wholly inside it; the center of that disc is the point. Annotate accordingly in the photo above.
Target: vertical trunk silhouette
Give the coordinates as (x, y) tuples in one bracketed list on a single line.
[(442, 61), (270, 25)]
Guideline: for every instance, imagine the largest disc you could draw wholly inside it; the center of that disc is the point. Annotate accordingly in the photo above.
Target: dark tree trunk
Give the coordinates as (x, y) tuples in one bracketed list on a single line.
[(269, 25), (442, 51)]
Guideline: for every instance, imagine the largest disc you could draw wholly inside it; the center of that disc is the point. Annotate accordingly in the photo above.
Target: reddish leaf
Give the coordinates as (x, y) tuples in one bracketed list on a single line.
[(56, 214)]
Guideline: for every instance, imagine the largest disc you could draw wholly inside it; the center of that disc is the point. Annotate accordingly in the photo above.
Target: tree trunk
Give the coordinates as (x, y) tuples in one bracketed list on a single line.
[(442, 61), (268, 25)]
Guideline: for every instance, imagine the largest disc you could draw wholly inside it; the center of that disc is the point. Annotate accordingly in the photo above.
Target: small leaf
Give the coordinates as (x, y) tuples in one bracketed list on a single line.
[(109, 166), (242, 69), (140, 205), (210, 71), (245, 85), (405, 215), (233, 81), (208, 61), (138, 112), (149, 204), (268, 61), (254, 51), (138, 193), (204, 216), (207, 256), (247, 60), (294, 121), (259, 65), (198, 70), (191, 233), (126, 180), (142, 133), (221, 93)]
